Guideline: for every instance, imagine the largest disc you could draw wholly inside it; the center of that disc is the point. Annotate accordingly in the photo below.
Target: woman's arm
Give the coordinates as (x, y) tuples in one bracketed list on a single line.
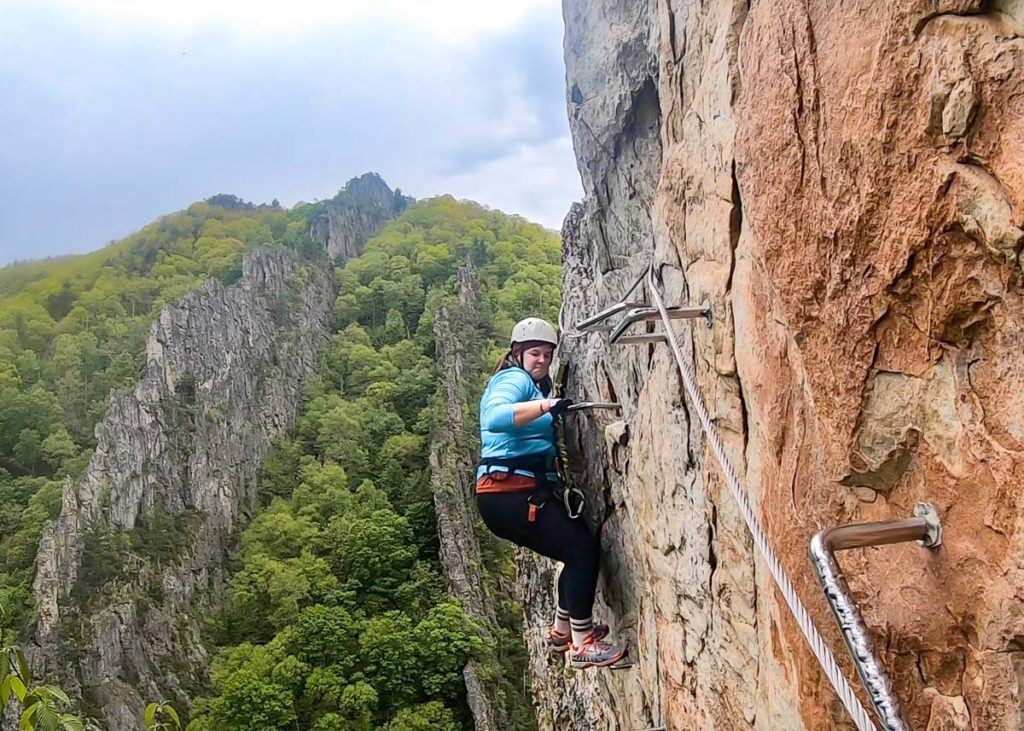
[(526, 411), (503, 407)]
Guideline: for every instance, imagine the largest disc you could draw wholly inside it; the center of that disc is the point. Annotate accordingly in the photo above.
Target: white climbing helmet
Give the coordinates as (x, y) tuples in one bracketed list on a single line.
[(534, 328)]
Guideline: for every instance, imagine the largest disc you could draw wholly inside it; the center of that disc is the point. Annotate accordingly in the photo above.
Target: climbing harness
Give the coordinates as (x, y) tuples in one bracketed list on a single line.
[(824, 656), (538, 468), (572, 497), (544, 488)]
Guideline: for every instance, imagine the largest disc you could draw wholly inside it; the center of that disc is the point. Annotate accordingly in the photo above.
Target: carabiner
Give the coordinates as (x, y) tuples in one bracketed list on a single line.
[(574, 500)]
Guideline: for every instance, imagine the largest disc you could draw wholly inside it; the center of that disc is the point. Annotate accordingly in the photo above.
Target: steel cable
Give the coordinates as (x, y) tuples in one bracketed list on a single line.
[(821, 652)]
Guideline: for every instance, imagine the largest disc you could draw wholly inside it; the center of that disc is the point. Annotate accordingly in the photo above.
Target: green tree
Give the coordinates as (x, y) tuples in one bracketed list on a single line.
[(58, 448), (446, 639), (249, 702), (267, 594), (431, 716), (323, 492), (387, 645), (373, 555), (278, 533), (326, 636)]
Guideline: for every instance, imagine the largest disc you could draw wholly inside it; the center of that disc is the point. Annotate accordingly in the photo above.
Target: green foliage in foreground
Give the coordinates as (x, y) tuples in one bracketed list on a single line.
[(43, 707)]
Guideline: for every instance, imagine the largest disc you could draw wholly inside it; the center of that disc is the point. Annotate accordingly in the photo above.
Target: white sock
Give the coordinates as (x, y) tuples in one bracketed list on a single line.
[(581, 629), (562, 621)]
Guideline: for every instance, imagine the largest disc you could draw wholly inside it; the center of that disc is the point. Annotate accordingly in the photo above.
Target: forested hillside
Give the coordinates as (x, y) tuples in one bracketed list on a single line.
[(336, 615), (74, 328)]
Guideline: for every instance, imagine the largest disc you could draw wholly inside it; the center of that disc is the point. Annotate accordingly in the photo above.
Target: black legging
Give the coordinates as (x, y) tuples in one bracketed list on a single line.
[(553, 534)]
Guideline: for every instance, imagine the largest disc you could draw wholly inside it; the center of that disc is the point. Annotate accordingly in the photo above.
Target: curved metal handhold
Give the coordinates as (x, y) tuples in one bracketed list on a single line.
[(632, 316), (591, 324), (593, 405), (924, 528)]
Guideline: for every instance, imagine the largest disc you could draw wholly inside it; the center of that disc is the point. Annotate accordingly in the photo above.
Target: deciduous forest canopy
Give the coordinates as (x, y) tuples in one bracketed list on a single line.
[(336, 616)]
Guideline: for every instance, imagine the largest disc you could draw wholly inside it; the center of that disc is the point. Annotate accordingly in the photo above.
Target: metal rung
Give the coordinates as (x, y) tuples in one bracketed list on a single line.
[(688, 312), (925, 528), (596, 323), (641, 314), (635, 339), (594, 405)]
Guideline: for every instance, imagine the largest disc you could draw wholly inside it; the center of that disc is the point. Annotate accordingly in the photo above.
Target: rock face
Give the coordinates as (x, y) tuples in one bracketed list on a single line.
[(127, 574), (354, 215), (451, 470), (843, 183), (138, 557), (478, 565)]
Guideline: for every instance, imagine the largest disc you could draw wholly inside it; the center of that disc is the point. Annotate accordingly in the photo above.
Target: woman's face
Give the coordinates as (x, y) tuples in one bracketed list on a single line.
[(537, 360)]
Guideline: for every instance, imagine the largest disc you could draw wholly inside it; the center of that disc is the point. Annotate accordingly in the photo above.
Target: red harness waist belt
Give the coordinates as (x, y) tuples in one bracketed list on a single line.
[(504, 482)]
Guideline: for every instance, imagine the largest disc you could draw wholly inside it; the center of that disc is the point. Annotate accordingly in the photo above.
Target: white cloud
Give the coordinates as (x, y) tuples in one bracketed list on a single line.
[(117, 112), (449, 21), (538, 182)]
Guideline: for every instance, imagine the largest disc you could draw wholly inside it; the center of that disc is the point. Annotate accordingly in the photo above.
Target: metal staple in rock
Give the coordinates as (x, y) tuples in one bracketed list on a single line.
[(828, 663), (572, 332)]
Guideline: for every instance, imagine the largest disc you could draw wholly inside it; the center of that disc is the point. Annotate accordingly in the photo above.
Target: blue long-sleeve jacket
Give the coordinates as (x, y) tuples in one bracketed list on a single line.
[(499, 436)]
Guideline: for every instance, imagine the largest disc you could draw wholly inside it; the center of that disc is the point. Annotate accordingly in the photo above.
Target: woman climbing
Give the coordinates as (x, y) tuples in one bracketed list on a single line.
[(516, 488)]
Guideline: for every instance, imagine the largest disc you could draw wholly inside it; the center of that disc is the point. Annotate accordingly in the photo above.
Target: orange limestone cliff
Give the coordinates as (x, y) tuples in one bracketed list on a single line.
[(843, 183)]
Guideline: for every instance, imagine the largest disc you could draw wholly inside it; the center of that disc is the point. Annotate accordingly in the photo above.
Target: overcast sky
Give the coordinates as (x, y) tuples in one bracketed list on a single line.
[(114, 112)]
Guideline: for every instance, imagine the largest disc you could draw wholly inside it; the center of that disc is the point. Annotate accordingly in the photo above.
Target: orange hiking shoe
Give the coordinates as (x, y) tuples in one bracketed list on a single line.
[(560, 643), (595, 653)]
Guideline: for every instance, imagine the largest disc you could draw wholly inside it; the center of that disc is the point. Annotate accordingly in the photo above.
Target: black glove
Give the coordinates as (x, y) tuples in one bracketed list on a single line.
[(559, 406)]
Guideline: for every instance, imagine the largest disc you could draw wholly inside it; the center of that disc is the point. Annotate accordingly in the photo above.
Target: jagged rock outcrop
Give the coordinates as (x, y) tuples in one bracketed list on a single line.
[(843, 183), (139, 554), (138, 558), (354, 215), (451, 473)]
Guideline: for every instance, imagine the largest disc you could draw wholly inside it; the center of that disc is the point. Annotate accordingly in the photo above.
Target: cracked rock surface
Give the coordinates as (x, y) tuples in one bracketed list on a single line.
[(843, 184), (176, 463), (138, 558)]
